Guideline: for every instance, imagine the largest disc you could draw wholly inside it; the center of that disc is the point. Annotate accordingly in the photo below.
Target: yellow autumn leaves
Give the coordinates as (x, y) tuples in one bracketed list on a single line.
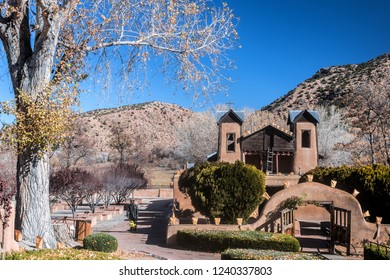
[(42, 121)]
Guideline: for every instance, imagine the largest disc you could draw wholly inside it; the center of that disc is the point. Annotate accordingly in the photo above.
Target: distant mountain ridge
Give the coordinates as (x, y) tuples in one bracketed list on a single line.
[(152, 124), (329, 86)]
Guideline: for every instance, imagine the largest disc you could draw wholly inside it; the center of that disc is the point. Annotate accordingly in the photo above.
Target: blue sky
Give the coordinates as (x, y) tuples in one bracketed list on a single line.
[(283, 43)]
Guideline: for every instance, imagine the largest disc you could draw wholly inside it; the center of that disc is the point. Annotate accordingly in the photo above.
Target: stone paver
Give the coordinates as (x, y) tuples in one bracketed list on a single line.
[(151, 233)]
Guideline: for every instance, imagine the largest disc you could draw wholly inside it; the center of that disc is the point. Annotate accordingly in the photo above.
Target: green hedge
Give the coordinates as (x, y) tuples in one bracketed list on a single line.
[(372, 182), (101, 242), (219, 241), (251, 254), (375, 252)]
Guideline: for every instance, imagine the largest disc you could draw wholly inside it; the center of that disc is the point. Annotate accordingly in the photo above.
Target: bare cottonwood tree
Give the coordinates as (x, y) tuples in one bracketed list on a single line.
[(333, 137), (371, 120), (197, 137), (259, 119), (77, 146), (121, 142), (46, 44)]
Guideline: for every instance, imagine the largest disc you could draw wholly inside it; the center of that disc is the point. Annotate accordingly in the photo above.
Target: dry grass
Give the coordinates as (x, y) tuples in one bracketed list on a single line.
[(160, 176), (77, 254)]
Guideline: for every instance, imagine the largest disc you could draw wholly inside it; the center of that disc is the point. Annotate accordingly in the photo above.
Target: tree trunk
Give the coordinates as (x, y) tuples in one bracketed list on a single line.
[(32, 199), (30, 62)]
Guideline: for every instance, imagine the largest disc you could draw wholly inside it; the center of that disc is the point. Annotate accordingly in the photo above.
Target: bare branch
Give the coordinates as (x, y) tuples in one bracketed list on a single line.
[(133, 44)]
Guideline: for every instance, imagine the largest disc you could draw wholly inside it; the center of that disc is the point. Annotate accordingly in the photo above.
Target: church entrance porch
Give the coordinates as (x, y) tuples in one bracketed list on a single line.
[(271, 162)]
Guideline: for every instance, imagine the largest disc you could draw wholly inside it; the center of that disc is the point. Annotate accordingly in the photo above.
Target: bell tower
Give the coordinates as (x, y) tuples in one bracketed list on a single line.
[(229, 137), (304, 126)]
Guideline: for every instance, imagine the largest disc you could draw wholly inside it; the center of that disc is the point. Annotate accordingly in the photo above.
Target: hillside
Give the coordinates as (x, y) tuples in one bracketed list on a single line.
[(330, 85), (149, 125)]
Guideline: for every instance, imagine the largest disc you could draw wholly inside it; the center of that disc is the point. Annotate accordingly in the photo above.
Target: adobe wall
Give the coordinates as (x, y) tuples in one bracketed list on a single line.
[(280, 180), (184, 201), (305, 158), (164, 193), (311, 212), (360, 229), (226, 156), (9, 237)]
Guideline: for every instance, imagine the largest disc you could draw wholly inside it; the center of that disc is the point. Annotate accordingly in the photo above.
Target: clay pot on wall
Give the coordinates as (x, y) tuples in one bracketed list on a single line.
[(217, 221), (18, 235), (239, 221), (60, 245), (194, 221), (39, 242)]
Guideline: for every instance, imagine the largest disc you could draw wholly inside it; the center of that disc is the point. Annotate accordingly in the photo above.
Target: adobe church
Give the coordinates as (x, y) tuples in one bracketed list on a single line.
[(270, 149)]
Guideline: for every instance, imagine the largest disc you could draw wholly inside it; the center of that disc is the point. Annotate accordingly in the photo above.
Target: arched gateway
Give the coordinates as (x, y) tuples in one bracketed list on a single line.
[(328, 208)]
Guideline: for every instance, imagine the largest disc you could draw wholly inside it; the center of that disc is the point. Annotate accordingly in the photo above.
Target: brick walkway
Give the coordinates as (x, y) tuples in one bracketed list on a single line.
[(151, 231)]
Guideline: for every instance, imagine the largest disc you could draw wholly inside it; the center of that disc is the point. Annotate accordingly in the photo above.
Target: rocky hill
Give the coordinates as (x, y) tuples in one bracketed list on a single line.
[(329, 86), (149, 125)]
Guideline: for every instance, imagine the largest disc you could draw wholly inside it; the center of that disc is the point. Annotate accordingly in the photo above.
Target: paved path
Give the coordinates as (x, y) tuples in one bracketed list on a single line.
[(312, 237), (151, 233)]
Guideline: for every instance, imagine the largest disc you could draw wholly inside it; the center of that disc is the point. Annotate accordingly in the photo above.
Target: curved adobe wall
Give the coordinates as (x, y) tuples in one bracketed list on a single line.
[(9, 241), (360, 229)]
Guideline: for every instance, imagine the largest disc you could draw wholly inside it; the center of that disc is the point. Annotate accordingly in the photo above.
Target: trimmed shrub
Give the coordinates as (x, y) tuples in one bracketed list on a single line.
[(372, 182), (101, 242), (375, 252), (224, 190), (219, 241), (250, 254)]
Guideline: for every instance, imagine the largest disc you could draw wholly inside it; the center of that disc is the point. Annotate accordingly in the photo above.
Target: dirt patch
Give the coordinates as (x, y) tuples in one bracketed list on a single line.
[(159, 176)]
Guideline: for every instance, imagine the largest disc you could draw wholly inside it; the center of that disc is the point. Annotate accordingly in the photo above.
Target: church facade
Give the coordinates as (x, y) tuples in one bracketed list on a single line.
[(271, 148)]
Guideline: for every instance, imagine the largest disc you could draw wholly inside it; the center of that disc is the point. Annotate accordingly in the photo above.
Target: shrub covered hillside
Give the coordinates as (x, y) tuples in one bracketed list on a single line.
[(224, 190), (371, 181)]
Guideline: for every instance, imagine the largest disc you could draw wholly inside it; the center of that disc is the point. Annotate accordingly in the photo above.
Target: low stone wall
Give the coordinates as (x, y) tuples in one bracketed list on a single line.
[(311, 212), (163, 193), (94, 218), (280, 180), (9, 234), (183, 201)]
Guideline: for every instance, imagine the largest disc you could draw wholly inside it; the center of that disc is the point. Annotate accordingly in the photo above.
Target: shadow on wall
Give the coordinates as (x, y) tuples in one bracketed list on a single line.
[(312, 191)]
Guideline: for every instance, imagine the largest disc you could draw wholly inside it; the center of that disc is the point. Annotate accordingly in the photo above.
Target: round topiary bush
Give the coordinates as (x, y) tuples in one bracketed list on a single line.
[(101, 242), (224, 190)]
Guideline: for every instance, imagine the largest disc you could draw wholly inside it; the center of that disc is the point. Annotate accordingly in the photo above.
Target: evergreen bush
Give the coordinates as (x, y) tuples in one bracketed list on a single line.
[(101, 242), (224, 190), (372, 182), (376, 252)]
